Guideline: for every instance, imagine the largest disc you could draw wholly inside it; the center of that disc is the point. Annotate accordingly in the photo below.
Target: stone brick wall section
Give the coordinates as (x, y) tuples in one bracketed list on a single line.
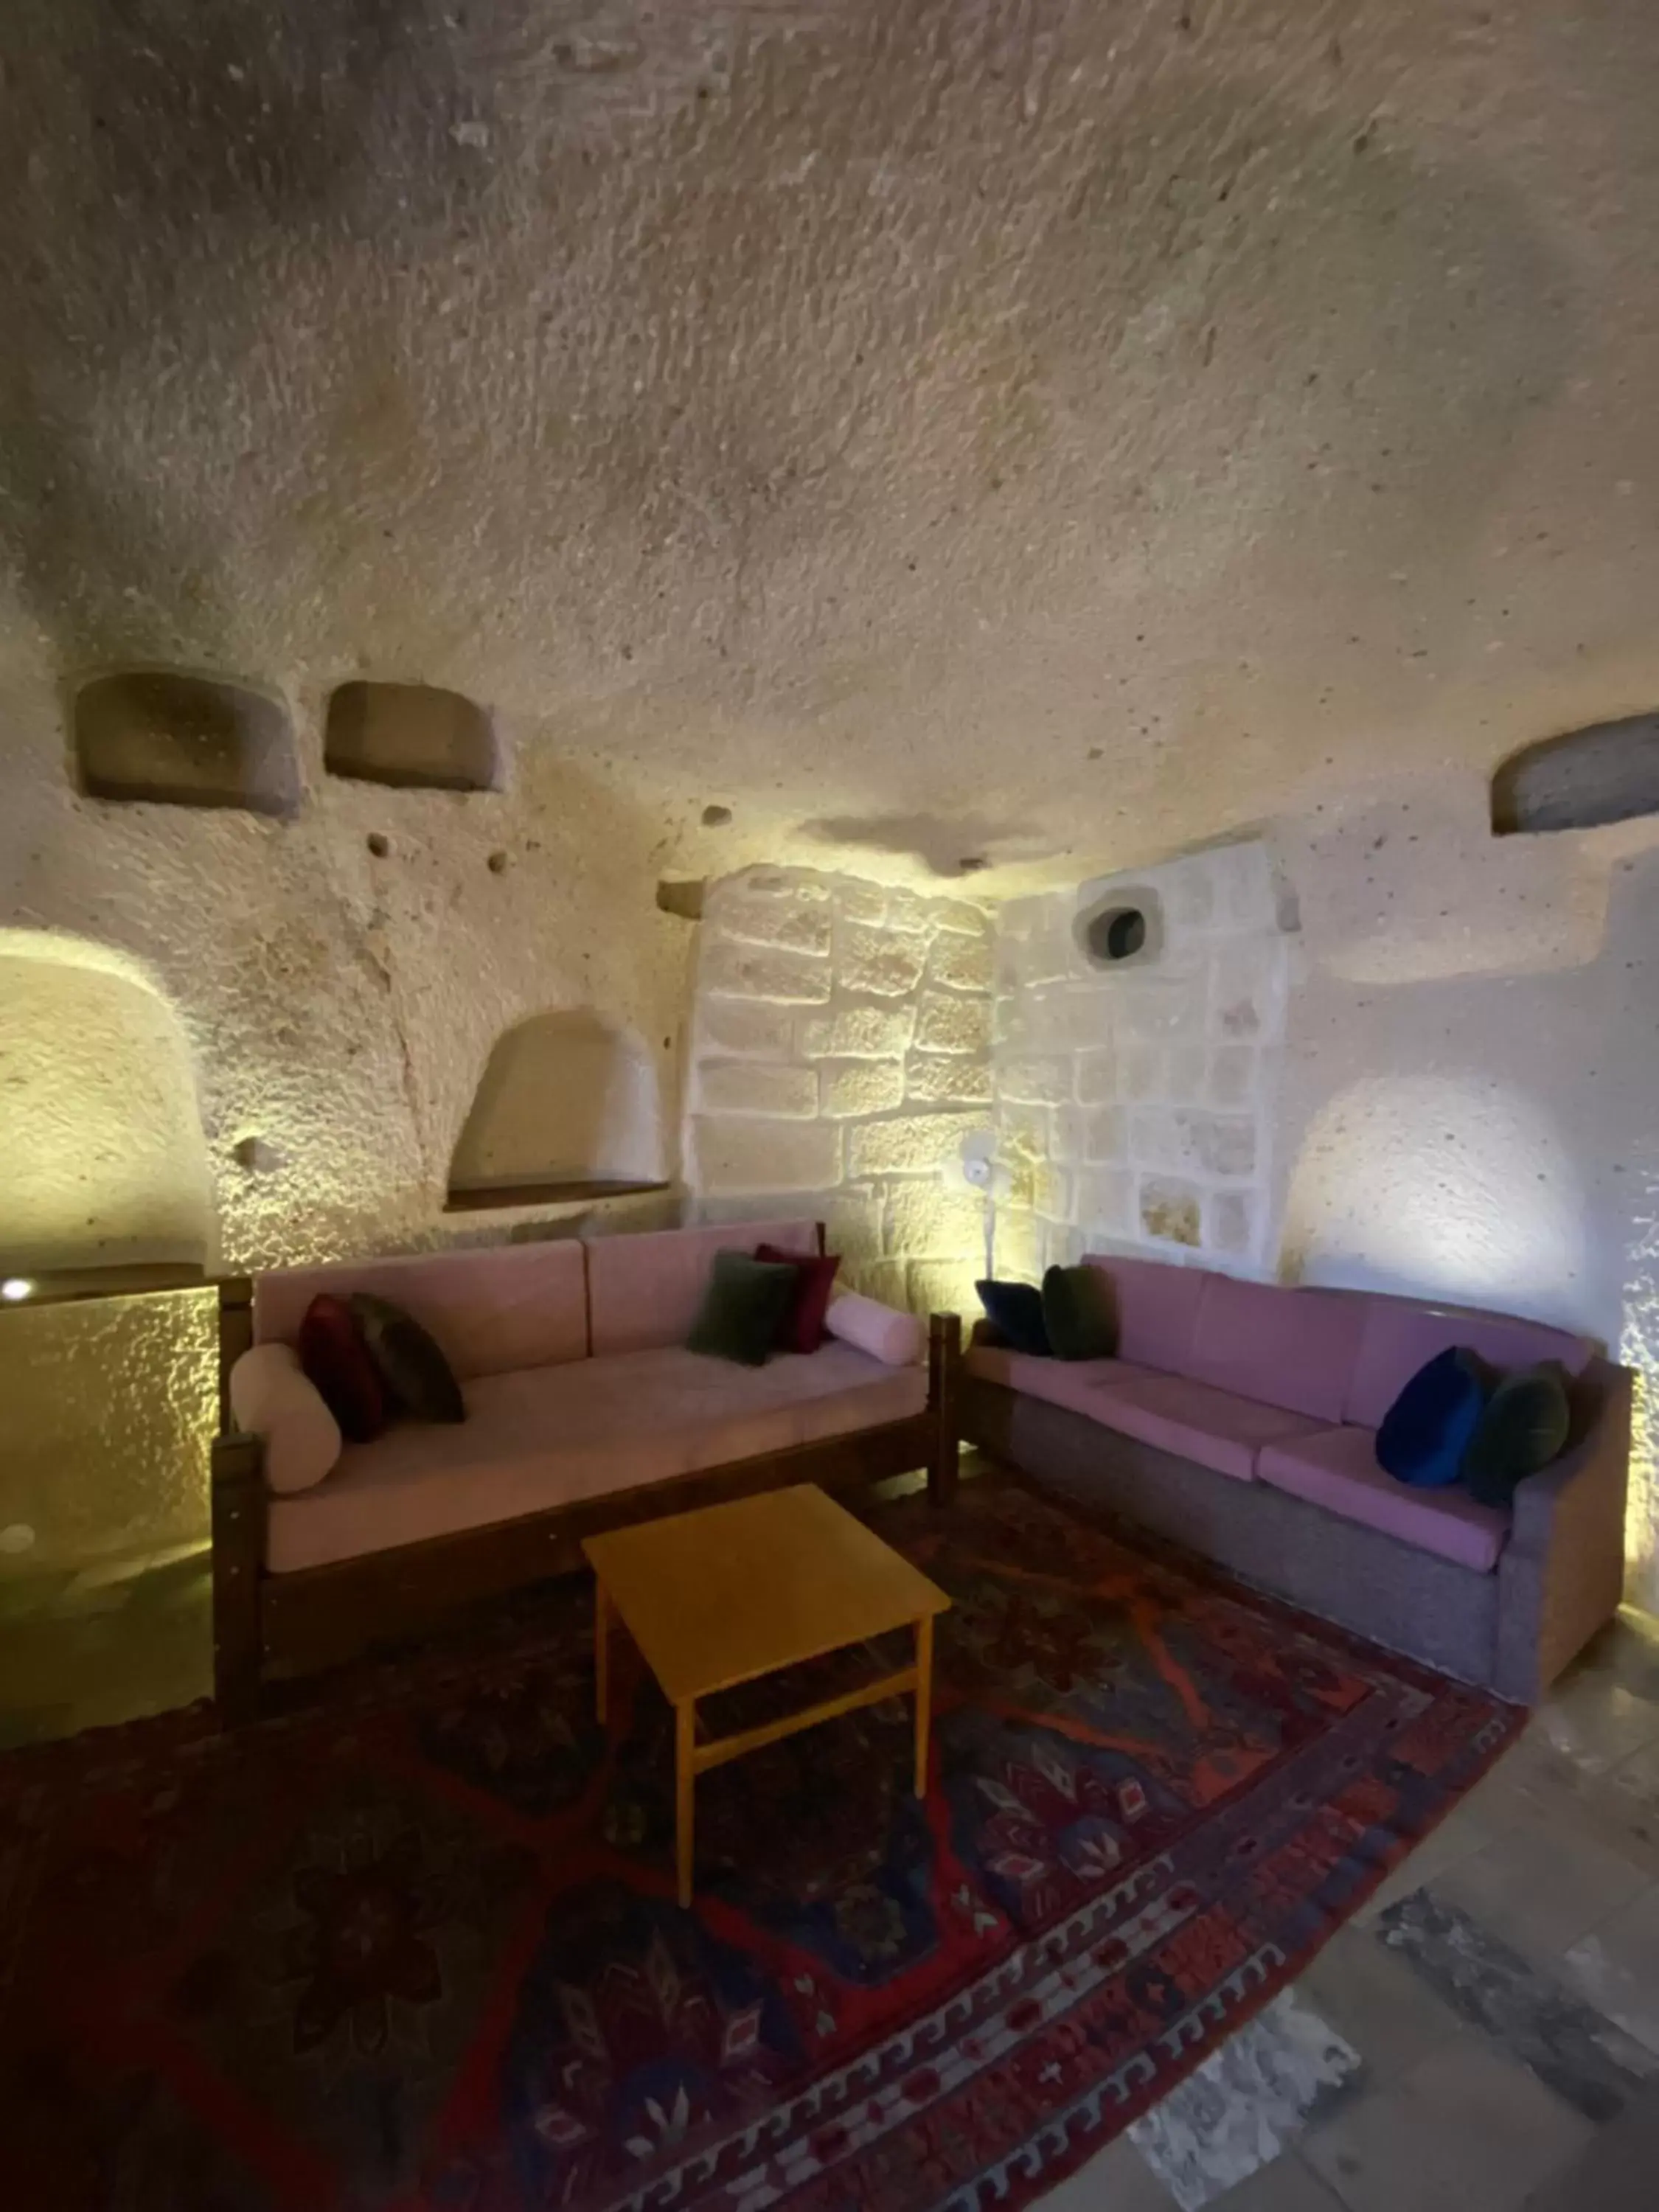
[(839, 1053), (1134, 1107)]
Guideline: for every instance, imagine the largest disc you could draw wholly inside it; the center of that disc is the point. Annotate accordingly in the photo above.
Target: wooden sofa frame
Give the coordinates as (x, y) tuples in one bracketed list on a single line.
[(267, 1626)]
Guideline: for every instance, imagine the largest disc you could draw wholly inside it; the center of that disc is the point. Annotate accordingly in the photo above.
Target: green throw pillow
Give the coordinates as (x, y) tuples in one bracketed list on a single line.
[(1077, 1312), (744, 1308), (1522, 1429)]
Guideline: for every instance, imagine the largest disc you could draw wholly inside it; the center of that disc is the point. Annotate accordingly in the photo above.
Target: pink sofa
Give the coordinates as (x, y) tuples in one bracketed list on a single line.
[(1240, 1420), (584, 1409)]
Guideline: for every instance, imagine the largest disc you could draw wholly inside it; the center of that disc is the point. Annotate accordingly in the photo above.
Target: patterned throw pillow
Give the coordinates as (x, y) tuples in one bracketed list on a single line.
[(418, 1379)]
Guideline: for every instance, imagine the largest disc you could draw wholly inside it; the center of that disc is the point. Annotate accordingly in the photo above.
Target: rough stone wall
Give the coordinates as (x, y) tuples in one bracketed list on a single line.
[(338, 1003), (1427, 1057), (864, 415), (839, 1055), (900, 432), (1135, 1106), (341, 1002)]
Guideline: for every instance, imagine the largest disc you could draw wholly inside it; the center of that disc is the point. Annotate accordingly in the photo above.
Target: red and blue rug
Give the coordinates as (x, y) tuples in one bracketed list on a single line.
[(415, 1945)]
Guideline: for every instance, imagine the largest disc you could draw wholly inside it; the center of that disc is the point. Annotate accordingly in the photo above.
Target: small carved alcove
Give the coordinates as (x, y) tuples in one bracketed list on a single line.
[(569, 1107), (183, 740), (1608, 772), (413, 735)]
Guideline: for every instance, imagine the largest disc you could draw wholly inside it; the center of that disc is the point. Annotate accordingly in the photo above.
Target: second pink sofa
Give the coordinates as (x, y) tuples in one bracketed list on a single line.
[(1240, 1420)]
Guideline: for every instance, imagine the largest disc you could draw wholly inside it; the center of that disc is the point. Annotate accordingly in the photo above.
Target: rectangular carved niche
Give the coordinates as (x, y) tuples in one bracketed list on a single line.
[(410, 734), (1609, 773), (179, 740)]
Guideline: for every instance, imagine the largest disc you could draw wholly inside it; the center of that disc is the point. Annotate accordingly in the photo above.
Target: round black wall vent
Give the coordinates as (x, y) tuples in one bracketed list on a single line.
[(1118, 935), (1125, 926)]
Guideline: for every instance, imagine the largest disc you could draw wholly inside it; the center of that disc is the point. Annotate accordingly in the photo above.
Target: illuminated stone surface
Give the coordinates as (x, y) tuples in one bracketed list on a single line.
[(106, 1413), (563, 1097), (104, 1163), (1126, 1063), (887, 1139)]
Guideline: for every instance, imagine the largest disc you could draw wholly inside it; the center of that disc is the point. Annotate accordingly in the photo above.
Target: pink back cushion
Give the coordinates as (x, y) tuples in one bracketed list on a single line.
[(492, 1310), (1157, 1309), (1400, 1334), (644, 1289), (1290, 1348)]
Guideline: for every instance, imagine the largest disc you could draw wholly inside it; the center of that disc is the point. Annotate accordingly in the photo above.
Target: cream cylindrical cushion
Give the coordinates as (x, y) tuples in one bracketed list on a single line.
[(896, 1339), (272, 1398)]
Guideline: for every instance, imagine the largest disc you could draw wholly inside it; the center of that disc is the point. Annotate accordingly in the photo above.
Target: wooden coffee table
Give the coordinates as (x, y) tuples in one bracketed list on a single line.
[(719, 1597)]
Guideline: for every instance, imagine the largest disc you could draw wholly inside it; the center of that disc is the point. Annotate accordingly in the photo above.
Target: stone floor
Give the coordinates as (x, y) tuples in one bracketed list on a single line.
[(1484, 2038)]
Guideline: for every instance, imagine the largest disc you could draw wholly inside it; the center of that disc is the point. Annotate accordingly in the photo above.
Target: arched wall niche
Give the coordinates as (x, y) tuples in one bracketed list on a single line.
[(569, 1106), (105, 1166)]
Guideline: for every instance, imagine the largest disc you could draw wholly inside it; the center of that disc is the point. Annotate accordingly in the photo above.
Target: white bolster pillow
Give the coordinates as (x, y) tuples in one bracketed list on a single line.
[(272, 1398), (897, 1340)]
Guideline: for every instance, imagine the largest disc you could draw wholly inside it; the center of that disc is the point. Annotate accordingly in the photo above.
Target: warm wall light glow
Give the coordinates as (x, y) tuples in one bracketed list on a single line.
[(105, 1163), (1638, 1347), (16, 1289), (1444, 1184)]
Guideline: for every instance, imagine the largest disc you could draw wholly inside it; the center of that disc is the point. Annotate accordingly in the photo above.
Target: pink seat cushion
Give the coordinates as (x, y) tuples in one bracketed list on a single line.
[(644, 1289), (1198, 1422), (1157, 1309), (1337, 1469), (1292, 1348), (491, 1311), (1402, 1334), (550, 1436), (1072, 1383)]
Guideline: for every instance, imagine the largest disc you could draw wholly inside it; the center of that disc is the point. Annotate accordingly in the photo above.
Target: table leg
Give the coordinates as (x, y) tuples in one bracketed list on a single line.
[(601, 1645), (924, 1697), (685, 1730)]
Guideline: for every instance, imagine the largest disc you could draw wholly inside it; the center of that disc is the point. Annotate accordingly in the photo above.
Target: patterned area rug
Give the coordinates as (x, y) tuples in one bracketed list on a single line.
[(414, 1946)]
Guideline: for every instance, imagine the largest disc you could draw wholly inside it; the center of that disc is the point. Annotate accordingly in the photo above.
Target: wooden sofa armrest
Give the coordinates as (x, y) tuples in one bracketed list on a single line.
[(986, 1335), (235, 1337), (1562, 1573), (944, 1377), (239, 1553)]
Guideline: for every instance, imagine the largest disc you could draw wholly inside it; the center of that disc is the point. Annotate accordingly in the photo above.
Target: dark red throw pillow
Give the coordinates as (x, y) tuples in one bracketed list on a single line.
[(336, 1360), (803, 1325)]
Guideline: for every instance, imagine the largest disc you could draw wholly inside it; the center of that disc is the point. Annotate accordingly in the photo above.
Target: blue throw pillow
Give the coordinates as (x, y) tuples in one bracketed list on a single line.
[(1427, 1429), (1015, 1311)]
